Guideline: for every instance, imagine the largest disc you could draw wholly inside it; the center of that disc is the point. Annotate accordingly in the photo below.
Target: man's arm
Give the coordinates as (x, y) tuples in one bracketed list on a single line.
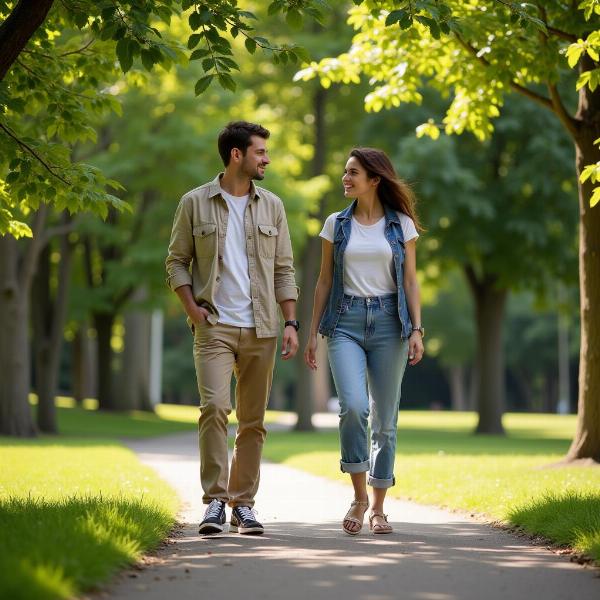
[(181, 247), (289, 344), (284, 279), (196, 313)]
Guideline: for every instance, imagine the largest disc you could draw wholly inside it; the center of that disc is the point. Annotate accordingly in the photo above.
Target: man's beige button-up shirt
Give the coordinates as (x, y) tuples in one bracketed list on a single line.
[(198, 240)]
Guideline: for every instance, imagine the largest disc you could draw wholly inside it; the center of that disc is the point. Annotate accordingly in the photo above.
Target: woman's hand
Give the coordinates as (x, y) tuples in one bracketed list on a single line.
[(415, 348), (310, 352)]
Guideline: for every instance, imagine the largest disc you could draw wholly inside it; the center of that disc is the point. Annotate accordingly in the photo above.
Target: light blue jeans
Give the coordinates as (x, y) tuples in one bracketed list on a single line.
[(368, 357)]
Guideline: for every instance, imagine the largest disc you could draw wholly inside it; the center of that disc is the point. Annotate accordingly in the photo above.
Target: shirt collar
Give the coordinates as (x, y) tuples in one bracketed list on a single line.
[(214, 188)]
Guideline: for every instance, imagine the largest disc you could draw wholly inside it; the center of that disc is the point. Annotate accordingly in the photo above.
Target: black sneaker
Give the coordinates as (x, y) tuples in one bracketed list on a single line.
[(244, 521), (214, 518)]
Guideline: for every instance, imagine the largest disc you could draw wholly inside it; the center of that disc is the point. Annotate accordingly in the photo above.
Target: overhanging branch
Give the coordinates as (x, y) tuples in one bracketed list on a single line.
[(33, 153), (18, 29)]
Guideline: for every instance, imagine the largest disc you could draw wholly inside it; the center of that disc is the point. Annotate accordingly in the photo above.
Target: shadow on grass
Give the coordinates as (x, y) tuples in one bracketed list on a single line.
[(568, 518), (54, 549)]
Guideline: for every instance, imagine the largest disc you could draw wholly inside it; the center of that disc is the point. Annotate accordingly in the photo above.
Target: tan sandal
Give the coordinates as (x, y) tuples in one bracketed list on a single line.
[(360, 503), (379, 528)]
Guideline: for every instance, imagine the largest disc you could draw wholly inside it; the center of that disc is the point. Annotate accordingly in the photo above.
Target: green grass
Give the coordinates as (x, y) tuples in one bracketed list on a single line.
[(87, 421), (440, 462), (75, 508)]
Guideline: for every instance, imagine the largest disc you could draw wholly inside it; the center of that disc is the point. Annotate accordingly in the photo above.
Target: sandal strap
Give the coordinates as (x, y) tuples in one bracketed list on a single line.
[(364, 503), (377, 514)]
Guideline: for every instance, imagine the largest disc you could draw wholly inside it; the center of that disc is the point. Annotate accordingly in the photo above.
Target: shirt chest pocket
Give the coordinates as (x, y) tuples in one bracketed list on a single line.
[(205, 239), (267, 240)]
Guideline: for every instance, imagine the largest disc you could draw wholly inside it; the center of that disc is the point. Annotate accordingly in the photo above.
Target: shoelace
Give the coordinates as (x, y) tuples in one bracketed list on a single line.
[(213, 510), (246, 513)]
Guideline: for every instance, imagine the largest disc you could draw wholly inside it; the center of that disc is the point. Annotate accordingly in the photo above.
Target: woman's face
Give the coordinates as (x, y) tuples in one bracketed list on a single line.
[(355, 180)]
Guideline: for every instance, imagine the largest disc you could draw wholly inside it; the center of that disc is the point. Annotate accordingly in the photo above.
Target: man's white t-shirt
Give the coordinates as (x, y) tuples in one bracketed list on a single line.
[(368, 258), (232, 297)]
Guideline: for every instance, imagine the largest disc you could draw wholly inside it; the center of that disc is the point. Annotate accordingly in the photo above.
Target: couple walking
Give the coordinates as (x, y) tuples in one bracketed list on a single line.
[(230, 262)]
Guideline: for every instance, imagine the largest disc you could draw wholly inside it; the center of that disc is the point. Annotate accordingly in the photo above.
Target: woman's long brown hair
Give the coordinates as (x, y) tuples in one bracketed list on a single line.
[(392, 191)]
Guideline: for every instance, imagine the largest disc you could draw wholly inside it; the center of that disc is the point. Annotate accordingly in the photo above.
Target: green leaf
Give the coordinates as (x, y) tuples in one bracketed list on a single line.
[(208, 63), (194, 40), (246, 14), (227, 82), (124, 54), (395, 16), (250, 45), (199, 53), (202, 84), (227, 62), (147, 59), (195, 21)]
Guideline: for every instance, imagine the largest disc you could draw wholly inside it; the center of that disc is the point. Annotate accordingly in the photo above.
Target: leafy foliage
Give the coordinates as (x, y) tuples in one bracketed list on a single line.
[(66, 79)]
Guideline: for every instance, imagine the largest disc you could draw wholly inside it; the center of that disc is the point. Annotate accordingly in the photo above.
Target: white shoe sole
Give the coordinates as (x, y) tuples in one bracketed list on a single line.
[(246, 530)]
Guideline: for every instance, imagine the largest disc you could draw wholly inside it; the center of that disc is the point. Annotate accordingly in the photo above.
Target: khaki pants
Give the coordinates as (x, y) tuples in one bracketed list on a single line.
[(220, 350)]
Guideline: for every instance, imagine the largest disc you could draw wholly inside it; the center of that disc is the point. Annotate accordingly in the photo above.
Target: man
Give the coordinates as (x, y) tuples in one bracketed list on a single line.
[(236, 239)]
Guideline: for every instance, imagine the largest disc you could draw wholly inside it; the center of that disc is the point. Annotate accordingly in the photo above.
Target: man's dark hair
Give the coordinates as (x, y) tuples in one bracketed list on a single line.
[(237, 134)]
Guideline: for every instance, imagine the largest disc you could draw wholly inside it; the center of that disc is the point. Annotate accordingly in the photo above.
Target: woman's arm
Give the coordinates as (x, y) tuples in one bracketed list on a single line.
[(413, 299), (322, 291)]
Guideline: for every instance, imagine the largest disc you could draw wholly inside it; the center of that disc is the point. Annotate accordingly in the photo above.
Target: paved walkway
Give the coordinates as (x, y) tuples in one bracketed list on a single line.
[(304, 555)]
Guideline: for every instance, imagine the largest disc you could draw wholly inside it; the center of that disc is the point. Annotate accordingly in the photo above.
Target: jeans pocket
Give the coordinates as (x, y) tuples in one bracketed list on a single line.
[(390, 307)]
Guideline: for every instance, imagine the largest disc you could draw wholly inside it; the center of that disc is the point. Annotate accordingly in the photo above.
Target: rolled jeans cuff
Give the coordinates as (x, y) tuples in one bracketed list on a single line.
[(354, 467), (381, 483)]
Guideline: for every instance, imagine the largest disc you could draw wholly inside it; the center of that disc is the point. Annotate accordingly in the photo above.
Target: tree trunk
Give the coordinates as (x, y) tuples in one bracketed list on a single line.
[(83, 365), (489, 315), (48, 315), (134, 388), (586, 444), (304, 395), (25, 18), (103, 322), (15, 412), (456, 381)]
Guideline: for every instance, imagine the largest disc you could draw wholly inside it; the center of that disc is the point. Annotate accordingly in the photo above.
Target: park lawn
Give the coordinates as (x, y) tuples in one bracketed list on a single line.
[(72, 512), (507, 479), (76, 507), (86, 420)]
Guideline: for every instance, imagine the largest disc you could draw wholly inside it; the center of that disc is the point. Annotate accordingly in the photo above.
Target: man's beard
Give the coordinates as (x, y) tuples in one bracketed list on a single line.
[(258, 176)]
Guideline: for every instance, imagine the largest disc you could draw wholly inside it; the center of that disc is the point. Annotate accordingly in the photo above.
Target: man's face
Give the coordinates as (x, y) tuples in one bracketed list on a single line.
[(256, 159)]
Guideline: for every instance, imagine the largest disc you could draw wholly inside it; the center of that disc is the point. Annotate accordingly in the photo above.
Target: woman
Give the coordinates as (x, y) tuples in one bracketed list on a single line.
[(367, 304)]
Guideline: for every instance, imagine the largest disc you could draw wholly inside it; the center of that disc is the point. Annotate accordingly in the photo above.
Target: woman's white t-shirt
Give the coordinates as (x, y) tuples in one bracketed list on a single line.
[(368, 258)]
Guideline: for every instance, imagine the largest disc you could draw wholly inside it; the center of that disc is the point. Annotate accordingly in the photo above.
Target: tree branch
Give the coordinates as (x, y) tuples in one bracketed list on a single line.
[(571, 124), (563, 35), (78, 51), (24, 20), (33, 153), (542, 100)]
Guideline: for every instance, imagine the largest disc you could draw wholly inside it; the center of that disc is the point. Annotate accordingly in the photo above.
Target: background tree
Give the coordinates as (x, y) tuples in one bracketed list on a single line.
[(57, 76), (481, 51)]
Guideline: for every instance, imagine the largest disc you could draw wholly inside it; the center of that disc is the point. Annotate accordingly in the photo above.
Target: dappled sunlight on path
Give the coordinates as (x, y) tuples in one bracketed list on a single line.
[(432, 554)]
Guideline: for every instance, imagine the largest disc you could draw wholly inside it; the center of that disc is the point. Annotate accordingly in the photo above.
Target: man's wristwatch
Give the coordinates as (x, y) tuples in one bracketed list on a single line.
[(294, 324), (420, 329)]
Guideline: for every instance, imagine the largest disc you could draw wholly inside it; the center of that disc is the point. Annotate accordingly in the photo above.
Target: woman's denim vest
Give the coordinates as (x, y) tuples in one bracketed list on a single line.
[(341, 237)]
